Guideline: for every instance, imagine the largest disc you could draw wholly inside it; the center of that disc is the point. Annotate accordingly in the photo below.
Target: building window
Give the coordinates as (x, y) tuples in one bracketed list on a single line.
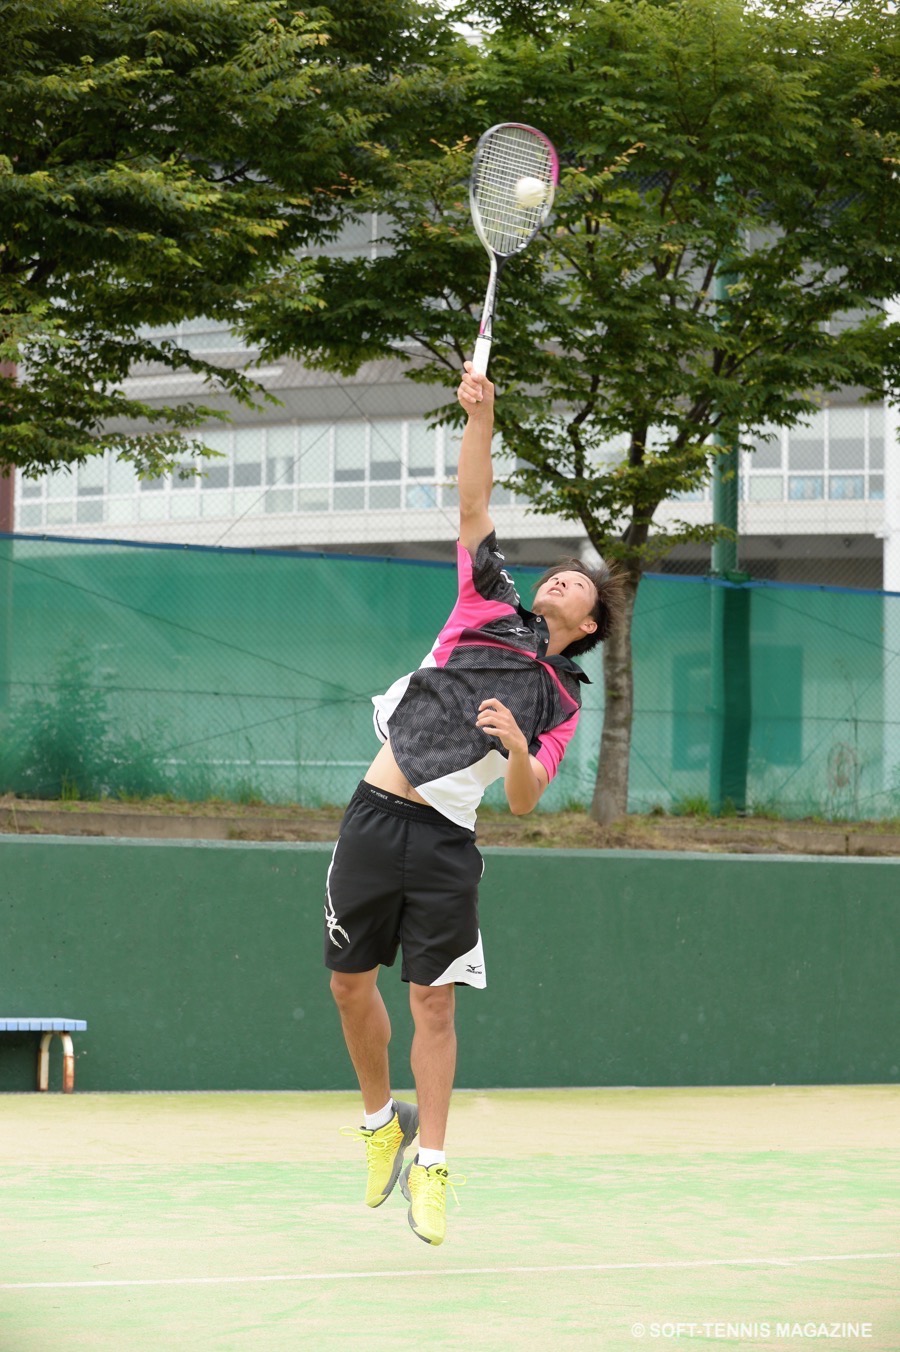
[(806, 487), (843, 487), (806, 445), (197, 335), (875, 417), (766, 488), (216, 470), (820, 455), (421, 451), (767, 449)]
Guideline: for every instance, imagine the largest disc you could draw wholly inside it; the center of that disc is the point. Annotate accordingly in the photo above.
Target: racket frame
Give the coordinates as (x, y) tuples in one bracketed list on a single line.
[(497, 258)]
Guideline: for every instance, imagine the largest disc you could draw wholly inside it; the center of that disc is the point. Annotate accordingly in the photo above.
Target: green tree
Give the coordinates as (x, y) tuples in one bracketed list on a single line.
[(167, 159), (695, 136)]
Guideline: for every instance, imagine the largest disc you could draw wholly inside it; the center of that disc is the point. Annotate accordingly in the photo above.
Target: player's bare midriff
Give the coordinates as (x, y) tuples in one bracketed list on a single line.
[(385, 773)]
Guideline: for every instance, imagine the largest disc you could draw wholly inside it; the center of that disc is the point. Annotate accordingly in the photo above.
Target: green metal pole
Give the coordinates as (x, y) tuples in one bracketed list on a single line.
[(6, 626), (730, 623), (725, 484)]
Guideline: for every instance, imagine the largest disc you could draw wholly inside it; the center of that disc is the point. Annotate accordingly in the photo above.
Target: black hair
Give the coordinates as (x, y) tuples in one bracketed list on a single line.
[(607, 607)]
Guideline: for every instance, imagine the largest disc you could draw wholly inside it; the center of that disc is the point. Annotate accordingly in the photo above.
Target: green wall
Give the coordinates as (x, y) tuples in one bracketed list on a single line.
[(198, 966)]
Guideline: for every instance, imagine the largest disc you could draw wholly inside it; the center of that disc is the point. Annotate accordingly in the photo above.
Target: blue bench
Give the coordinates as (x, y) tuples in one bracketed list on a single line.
[(48, 1028)]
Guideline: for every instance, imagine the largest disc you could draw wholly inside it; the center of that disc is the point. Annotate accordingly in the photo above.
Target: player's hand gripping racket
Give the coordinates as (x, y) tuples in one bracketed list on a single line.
[(514, 176)]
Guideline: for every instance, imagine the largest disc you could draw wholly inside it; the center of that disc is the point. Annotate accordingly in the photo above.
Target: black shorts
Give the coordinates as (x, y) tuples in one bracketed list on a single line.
[(402, 875)]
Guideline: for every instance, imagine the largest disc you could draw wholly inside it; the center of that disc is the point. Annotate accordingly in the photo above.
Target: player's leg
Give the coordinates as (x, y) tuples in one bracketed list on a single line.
[(363, 898), (389, 1126), (367, 1032), (433, 1058), (441, 947)]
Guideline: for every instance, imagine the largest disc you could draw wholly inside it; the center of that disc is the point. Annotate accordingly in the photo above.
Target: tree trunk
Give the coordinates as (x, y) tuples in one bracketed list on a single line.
[(610, 799)]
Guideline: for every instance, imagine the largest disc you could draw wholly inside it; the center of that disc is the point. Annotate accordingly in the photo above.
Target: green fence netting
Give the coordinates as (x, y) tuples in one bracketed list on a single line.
[(247, 675)]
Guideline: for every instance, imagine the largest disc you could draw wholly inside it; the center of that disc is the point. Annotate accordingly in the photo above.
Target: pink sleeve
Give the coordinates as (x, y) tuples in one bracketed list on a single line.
[(554, 742), (472, 609)]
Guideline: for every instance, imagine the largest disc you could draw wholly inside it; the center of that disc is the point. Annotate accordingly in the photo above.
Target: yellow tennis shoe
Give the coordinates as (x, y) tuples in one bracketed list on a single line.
[(426, 1192), (384, 1150)]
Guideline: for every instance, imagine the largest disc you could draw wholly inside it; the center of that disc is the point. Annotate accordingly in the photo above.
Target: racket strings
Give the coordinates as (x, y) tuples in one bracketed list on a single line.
[(506, 157)]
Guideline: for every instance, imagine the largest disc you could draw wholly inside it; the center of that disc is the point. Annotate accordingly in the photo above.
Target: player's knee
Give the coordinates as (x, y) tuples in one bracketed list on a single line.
[(350, 988), (432, 1006)]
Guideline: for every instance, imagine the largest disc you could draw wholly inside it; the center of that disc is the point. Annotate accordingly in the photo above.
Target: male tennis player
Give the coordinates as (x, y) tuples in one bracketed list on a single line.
[(498, 695)]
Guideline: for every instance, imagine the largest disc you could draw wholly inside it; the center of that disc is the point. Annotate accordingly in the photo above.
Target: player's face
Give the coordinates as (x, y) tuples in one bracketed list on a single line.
[(568, 597)]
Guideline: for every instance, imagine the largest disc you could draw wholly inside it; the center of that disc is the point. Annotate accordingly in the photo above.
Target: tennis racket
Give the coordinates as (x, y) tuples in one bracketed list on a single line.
[(514, 175)]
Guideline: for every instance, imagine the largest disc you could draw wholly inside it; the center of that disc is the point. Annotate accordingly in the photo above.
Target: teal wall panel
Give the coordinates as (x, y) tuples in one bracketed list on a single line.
[(199, 966), (132, 670)]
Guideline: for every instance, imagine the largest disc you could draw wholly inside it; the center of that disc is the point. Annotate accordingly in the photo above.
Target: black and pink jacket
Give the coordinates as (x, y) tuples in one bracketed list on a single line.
[(491, 646)]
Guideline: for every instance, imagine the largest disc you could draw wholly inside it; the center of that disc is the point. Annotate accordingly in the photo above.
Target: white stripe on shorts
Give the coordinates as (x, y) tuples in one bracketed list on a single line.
[(469, 969)]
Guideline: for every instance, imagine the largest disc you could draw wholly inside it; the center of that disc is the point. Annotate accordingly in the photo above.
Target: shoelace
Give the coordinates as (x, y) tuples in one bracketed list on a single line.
[(432, 1181), (374, 1143)]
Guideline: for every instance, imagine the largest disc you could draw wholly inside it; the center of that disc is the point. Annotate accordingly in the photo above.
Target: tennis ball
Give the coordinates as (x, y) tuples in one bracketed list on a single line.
[(530, 192)]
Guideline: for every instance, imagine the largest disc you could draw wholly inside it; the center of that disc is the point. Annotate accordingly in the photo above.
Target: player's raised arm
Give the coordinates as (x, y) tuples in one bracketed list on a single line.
[(476, 475)]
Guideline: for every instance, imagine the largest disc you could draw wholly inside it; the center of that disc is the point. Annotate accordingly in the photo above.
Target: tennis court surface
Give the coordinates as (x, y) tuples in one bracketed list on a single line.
[(589, 1219)]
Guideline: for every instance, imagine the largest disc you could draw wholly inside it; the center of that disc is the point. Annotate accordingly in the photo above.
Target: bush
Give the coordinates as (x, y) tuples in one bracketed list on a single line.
[(67, 743)]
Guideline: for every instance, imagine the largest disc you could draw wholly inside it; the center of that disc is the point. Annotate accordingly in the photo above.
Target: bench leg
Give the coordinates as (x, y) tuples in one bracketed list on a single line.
[(44, 1063), (43, 1075), (68, 1063)]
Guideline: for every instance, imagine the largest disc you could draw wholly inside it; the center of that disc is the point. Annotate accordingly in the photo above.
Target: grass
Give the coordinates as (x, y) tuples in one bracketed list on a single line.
[(692, 805)]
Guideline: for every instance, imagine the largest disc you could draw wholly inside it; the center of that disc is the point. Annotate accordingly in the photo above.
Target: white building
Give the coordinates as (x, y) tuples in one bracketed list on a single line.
[(351, 465)]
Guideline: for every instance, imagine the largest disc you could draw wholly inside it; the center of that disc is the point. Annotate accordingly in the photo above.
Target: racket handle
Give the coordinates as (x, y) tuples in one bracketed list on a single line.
[(481, 356)]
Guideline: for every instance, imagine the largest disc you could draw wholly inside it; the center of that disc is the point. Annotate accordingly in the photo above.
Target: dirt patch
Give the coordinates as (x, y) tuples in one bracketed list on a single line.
[(186, 1129), (157, 819)]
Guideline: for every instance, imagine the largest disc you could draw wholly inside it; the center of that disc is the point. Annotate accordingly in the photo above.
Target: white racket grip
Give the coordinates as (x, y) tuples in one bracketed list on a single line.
[(481, 356)]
